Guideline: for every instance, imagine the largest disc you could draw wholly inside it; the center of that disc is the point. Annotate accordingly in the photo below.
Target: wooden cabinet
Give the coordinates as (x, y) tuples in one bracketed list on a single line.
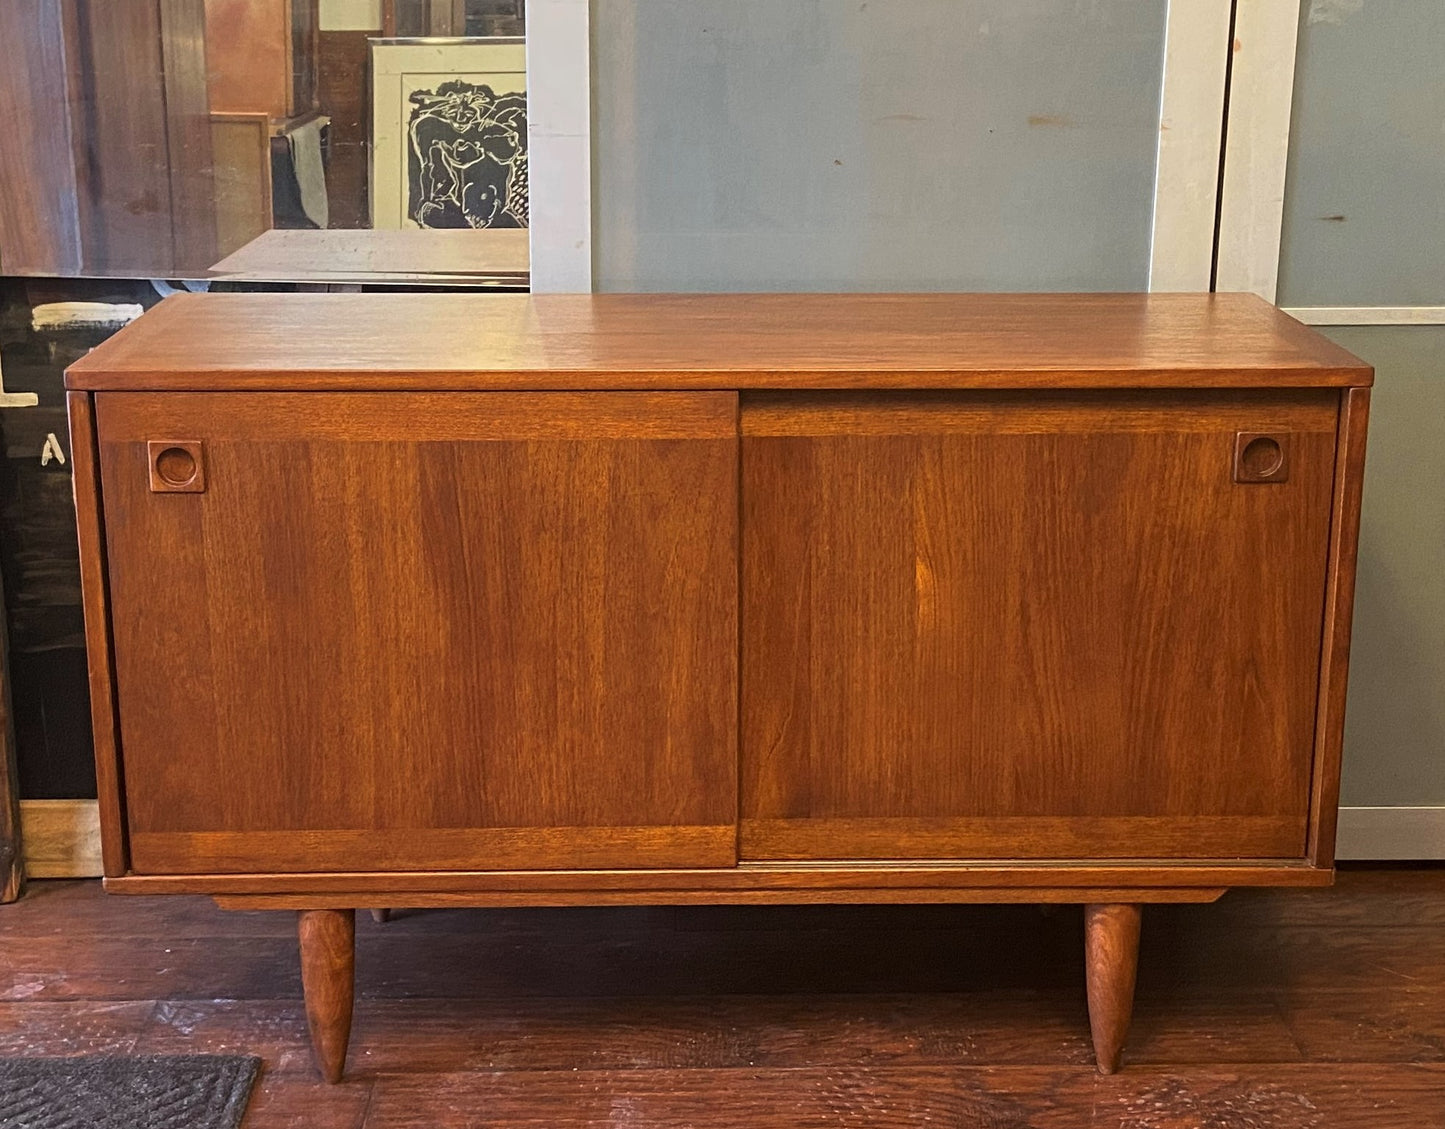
[(420, 632), (1030, 626), (436, 600)]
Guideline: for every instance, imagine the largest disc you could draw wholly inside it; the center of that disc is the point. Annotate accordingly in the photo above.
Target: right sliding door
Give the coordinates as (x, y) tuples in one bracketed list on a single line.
[(1040, 625)]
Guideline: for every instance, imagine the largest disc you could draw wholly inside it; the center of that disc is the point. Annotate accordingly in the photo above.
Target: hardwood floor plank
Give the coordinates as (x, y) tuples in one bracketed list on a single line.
[(79, 908), (1270, 1097), (1367, 897), (1383, 1023), (1275, 1010), (1267, 959), (148, 968), (290, 1101), (32, 1027), (722, 1032), (273, 1029)]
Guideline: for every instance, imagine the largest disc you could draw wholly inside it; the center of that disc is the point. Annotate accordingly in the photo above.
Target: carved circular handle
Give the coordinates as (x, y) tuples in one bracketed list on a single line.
[(175, 466), (1261, 457)]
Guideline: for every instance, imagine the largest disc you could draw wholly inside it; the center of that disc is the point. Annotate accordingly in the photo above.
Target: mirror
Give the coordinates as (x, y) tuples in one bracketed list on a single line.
[(320, 141)]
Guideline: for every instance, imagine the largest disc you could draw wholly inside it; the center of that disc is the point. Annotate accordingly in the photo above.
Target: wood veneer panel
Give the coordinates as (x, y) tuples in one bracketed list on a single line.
[(726, 341), (382, 417), (416, 616), (945, 623), (248, 54), (39, 214), (1037, 412), (116, 56), (1029, 895), (795, 881), (448, 848), (185, 80), (1026, 836), (1339, 606), (90, 527)]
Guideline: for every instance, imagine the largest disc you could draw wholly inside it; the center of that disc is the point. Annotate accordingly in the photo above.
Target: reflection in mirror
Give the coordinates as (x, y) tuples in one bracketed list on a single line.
[(326, 141)]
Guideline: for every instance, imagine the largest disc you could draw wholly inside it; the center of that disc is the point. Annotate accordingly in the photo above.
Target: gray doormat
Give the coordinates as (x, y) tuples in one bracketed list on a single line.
[(126, 1092)]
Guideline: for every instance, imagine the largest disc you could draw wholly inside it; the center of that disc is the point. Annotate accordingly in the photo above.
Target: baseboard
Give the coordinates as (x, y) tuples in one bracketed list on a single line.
[(1391, 833), (60, 838)]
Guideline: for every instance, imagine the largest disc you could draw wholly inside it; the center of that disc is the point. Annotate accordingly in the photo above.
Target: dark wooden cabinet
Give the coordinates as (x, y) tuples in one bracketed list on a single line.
[(436, 600)]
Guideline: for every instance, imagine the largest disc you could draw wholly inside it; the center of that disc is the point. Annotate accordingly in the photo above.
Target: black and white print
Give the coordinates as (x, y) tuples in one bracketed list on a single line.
[(467, 157)]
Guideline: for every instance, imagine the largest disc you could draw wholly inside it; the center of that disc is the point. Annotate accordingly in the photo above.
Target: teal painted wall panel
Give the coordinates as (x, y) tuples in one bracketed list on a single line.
[(884, 145), (1364, 214), (1395, 716)]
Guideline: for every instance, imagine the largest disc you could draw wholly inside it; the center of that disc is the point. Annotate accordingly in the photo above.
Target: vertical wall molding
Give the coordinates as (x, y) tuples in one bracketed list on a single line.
[(559, 157), (1256, 145), (1191, 124)]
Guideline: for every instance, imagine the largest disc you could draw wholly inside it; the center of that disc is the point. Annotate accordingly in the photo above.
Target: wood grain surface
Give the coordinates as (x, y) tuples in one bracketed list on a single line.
[(723, 341), (1111, 965), (1339, 607), (801, 881), (426, 631), (709, 895), (424, 255), (1071, 634), (327, 943), (95, 597), (39, 209)]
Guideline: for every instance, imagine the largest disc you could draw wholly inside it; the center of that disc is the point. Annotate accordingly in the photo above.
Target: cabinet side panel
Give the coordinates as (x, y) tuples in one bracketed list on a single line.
[(85, 474), (1339, 606), (1070, 626)]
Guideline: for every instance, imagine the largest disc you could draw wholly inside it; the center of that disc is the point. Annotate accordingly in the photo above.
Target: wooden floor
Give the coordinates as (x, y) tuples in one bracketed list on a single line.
[(1321, 1009)]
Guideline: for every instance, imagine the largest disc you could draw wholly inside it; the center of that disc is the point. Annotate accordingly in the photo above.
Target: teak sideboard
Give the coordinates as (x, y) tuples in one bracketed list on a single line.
[(479, 600)]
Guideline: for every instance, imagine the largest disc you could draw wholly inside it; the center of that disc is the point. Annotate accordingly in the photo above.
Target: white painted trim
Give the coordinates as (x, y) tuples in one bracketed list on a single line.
[(60, 838), (1191, 121), (559, 145), (1391, 833), (1256, 145), (1368, 315)]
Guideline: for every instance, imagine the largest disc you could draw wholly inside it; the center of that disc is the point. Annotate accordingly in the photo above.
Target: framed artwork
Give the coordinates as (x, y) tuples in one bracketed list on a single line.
[(449, 133)]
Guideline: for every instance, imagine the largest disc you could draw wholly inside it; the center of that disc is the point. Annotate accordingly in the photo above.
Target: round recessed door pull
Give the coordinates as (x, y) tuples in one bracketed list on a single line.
[(1260, 457), (176, 466)]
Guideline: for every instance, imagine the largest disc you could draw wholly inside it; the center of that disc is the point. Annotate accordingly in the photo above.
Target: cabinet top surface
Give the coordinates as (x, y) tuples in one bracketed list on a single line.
[(733, 341)]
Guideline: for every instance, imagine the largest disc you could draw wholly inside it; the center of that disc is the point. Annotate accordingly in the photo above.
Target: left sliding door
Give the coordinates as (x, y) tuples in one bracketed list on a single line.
[(423, 631)]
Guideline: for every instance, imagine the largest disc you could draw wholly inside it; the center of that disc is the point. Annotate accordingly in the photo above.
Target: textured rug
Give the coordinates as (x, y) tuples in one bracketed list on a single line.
[(126, 1092)]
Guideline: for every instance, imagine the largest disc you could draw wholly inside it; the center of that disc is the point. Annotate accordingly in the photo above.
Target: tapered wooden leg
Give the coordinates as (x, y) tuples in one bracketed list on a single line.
[(381, 916), (1111, 959), (328, 966)]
